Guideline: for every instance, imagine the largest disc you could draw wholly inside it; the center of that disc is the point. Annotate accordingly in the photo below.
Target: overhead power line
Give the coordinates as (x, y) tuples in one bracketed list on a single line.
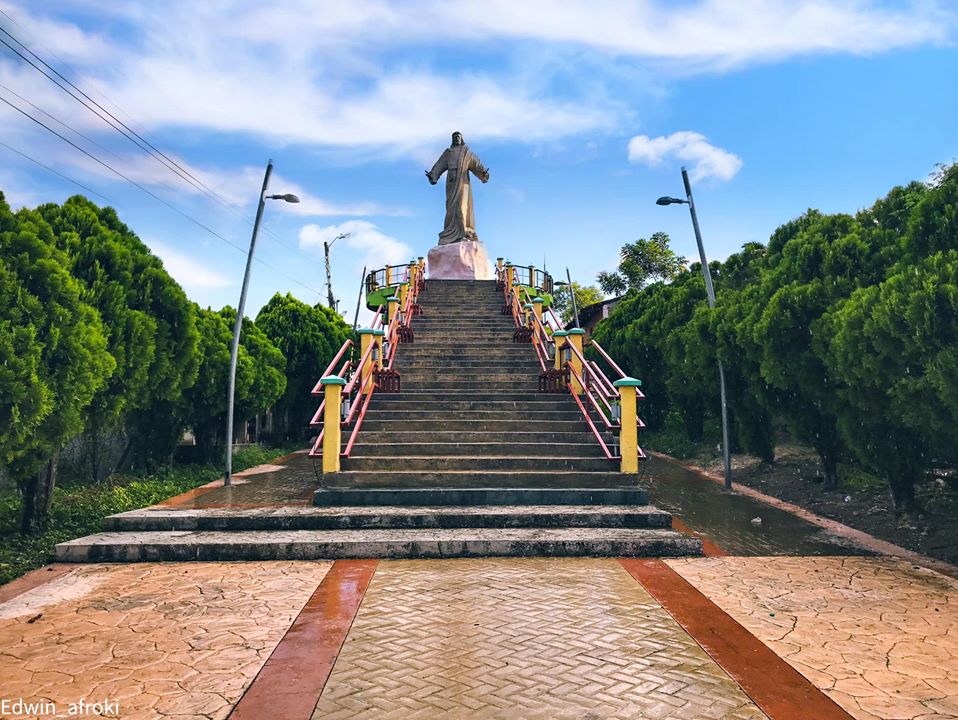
[(56, 172), (125, 130), (151, 193)]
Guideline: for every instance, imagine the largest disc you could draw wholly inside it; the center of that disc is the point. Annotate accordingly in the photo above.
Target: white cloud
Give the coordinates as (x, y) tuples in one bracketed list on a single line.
[(185, 269), (331, 78), (692, 147), (373, 248)]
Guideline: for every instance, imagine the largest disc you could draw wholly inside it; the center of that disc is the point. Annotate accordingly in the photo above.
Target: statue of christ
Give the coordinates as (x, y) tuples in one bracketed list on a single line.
[(457, 161)]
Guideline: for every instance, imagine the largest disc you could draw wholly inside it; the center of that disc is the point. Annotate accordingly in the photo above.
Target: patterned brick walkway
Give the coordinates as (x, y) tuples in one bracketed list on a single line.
[(502, 638)]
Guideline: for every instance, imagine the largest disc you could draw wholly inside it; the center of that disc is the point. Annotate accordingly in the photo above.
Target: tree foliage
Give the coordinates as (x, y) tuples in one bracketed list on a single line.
[(259, 378), (149, 323), (53, 357), (309, 338), (640, 263), (844, 328), (584, 296)]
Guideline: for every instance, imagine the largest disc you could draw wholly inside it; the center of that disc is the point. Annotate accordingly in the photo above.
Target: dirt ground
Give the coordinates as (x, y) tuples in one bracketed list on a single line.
[(859, 502)]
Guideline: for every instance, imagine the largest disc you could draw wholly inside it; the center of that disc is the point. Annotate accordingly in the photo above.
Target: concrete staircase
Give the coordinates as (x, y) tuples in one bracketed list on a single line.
[(467, 460)]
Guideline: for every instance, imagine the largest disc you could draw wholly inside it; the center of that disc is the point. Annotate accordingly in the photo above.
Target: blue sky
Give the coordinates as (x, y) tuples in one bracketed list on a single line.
[(584, 111)]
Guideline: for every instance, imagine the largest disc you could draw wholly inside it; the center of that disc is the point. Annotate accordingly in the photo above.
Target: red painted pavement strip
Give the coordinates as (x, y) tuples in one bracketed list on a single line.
[(33, 579), (185, 497), (776, 687), (292, 679), (709, 548)]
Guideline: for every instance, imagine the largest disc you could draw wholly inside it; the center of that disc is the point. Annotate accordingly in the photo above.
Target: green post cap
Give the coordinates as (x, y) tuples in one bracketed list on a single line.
[(559, 333), (576, 331), (332, 380), (392, 298), (627, 382), (538, 299), (527, 306), (365, 331), (379, 331)]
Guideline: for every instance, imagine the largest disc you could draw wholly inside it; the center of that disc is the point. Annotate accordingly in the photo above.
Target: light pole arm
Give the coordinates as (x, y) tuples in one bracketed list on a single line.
[(238, 326)]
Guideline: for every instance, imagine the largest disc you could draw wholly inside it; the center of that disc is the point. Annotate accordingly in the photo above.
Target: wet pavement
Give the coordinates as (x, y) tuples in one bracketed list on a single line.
[(785, 621), (727, 519)]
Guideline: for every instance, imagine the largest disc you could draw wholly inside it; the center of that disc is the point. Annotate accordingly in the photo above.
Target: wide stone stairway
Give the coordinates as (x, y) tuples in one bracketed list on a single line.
[(469, 459)]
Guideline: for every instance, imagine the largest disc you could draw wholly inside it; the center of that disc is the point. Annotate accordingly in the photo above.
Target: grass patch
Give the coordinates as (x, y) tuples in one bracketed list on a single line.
[(79, 508)]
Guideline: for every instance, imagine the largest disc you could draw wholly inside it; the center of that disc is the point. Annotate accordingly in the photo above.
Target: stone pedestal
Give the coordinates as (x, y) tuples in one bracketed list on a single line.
[(466, 260)]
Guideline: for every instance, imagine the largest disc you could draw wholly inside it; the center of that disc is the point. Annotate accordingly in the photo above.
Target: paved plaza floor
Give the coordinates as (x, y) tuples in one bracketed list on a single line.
[(782, 619)]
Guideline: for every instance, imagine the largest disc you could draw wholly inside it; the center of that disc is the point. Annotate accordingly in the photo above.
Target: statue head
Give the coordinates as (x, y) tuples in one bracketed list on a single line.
[(457, 138)]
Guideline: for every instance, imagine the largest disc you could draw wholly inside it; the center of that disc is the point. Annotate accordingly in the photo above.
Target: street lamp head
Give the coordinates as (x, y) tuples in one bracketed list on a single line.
[(666, 200), (288, 197)]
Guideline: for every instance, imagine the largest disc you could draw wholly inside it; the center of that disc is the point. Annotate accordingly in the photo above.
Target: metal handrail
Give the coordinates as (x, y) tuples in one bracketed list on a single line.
[(585, 414), (318, 387), (354, 390), (605, 356)]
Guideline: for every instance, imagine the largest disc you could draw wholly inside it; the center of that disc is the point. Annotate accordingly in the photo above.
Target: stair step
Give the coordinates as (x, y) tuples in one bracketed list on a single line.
[(528, 416), (375, 422), (465, 479), (153, 546), (448, 404), (360, 517), (475, 463), (373, 437), (367, 447)]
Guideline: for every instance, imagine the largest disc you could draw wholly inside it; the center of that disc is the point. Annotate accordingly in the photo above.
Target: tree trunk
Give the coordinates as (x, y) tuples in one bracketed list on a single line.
[(902, 493), (829, 468), (37, 498)]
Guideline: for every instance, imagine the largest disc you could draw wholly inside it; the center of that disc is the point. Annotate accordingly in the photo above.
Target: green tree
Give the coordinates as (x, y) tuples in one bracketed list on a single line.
[(584, 296), (54, 358), (640, 263), (309, 338), (151, 329), (259, 378)]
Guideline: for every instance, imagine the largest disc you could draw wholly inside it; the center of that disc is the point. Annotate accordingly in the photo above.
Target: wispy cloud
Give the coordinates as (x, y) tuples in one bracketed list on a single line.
[(186, 270), (373, 248), (706, 159), (294, 75)]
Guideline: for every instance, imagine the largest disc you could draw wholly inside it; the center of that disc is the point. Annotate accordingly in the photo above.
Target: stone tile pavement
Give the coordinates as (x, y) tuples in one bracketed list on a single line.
[(879, 636), (164, 641), (481, 638)]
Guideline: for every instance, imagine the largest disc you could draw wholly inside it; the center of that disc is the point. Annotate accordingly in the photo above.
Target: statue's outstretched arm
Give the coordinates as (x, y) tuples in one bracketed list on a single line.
[(437, 170), (479, 170)]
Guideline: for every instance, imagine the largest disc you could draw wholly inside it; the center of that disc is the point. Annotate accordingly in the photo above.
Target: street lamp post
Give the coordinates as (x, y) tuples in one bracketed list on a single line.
[(726, 452), (238, 326), (329, 274)]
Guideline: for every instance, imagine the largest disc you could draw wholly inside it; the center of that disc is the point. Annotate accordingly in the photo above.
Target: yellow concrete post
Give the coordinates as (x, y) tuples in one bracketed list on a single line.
[(510, 280), (560, 337), (629, 431), (367, 337), (377, 358), (332, 434), (537, 310), (527, 309), (413, 267), (392, 307), (575, 337), (403, 289), (389, 275), (532, 277), (499, 262)]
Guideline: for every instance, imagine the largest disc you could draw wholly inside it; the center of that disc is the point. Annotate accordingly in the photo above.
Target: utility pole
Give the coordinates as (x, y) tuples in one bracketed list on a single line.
[(329, 274), (710, 292), (238, 326)]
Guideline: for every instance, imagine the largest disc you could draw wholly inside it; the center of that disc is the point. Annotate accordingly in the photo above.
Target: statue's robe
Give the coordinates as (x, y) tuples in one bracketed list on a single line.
[(457, 162)]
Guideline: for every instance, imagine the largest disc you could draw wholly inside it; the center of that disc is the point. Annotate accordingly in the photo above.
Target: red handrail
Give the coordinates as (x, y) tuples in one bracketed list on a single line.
[(318, 387), (585, 414), (605, 356)]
